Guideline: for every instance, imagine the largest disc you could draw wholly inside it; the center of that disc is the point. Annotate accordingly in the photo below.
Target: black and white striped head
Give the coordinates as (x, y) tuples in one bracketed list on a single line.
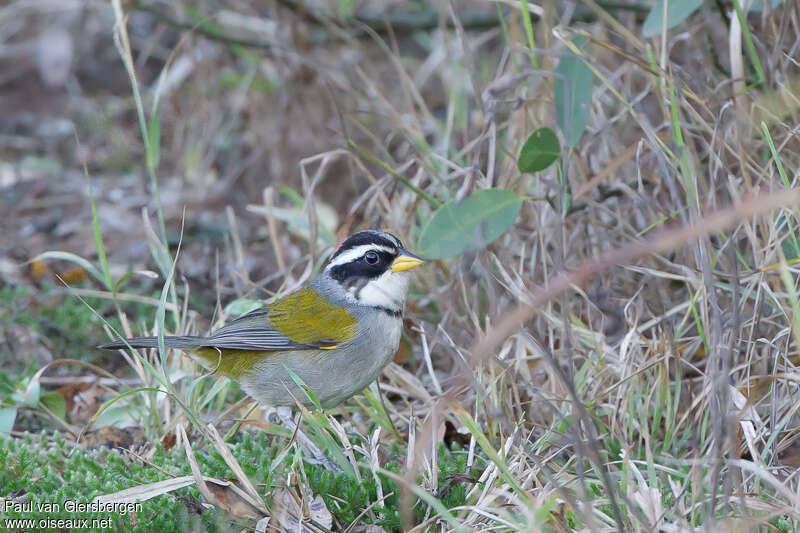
[(372, 267)]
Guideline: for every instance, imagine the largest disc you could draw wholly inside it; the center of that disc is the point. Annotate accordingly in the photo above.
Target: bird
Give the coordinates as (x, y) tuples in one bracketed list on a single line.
[(336, 334)]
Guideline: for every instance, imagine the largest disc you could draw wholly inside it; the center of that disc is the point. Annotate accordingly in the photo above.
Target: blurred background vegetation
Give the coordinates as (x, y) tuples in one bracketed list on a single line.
[(604, 338)]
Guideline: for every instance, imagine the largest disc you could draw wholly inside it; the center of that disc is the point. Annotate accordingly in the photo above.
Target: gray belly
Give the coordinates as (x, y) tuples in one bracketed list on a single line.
[(333, 375)]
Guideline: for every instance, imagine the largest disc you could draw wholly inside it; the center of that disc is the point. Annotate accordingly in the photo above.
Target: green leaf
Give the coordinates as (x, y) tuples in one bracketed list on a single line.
[(7, 417), (677, 12), (573, 92), (539, 151), (470, 224), (112, 417), (56, 403), (117, 416)]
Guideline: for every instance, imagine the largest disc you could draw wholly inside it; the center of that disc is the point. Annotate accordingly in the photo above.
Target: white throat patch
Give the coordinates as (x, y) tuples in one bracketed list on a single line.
[(388, 291)]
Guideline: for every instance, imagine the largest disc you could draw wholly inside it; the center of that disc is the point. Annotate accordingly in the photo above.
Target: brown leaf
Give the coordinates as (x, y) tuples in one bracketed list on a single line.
[(193, 505), (38, 270), (74, 276), (85, 402), (168, 440), (227, 499), (70, 391), (114, 437)]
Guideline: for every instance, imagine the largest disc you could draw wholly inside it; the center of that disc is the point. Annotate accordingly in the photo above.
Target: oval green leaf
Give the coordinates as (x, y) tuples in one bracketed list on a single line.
[(539, 151), (472, 224), (573, 93), (756, 5), (7, 417), (56, 403), (677, 12)]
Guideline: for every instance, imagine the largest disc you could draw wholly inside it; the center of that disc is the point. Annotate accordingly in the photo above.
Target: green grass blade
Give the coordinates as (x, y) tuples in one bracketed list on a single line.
[(526, 21), (748, 40)]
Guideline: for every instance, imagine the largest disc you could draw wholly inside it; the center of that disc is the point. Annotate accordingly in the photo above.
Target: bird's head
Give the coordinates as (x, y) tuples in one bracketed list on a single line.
[(372, 268)]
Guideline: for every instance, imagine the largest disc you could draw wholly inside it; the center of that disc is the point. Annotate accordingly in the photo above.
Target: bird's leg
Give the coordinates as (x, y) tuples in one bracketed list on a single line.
[(318, 457)]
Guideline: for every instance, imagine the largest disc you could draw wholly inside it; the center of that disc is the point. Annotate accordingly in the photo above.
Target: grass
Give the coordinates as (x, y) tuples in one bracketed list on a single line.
[(622, 358)]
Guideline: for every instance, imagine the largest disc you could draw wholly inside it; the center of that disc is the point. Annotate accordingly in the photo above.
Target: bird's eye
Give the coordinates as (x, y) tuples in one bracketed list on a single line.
[(371, 257)]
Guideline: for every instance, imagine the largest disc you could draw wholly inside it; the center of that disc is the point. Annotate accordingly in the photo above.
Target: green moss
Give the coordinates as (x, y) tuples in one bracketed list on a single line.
[(49, 470), (783, 524)]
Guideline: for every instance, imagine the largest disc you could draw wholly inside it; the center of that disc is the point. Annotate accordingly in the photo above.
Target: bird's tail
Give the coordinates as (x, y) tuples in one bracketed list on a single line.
[(181, 343)]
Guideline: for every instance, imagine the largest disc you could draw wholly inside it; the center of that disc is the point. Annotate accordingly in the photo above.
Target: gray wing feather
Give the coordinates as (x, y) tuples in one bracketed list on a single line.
[(248, 332), (252, 332)]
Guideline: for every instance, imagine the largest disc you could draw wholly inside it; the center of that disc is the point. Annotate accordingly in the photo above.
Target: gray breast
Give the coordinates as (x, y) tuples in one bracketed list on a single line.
[(333, 375)]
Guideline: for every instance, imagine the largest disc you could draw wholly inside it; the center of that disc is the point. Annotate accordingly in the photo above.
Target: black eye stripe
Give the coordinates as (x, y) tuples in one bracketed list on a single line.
[(384, 257), (361, 268)]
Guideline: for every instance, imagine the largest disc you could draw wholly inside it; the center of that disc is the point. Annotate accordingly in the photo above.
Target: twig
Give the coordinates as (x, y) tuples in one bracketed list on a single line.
[(205, 31), (399, 22), (403, 23)]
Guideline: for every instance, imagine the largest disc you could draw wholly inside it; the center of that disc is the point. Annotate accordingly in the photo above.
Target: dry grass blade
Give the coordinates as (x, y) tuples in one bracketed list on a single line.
[(222, 494), (252, 495), (148, 490), (668, 240)]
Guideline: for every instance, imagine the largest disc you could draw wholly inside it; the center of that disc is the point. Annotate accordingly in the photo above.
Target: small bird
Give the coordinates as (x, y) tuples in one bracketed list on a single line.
[(337, 333)]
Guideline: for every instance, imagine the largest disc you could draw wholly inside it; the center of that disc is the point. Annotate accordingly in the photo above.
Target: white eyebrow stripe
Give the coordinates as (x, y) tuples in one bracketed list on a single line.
[(351, 255), (392, 238)]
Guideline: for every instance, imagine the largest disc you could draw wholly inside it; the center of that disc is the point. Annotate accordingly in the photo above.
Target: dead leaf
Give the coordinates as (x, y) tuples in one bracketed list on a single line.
[(70, 391), (74, 276), (168, 440), (38, 270), (85, 402), (289, 512), (114, 437), (220, 493), (229, 500)]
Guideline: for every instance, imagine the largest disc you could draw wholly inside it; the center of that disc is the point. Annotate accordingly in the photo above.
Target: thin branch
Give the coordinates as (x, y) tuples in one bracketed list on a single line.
[(399, 23)]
